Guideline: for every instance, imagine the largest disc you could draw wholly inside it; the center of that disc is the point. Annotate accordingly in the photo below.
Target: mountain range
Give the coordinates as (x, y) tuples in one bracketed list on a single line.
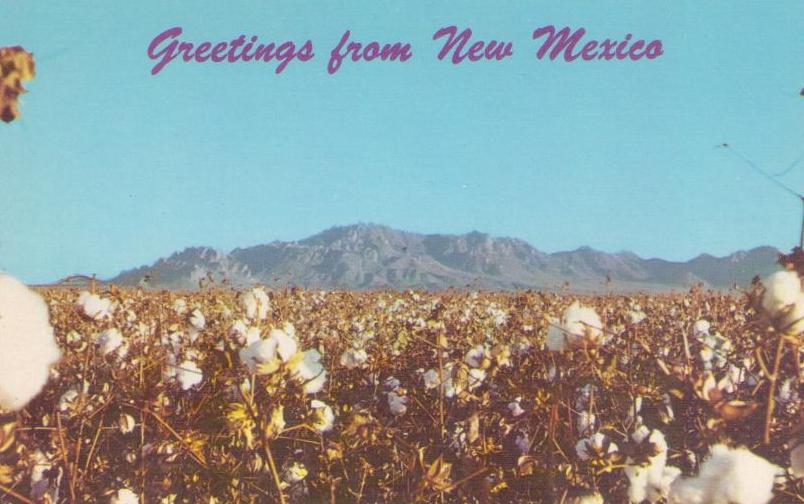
[(369, 256)]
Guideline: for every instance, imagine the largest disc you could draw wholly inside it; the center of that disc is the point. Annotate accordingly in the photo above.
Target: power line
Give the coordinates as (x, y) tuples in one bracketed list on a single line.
[(762, 172)]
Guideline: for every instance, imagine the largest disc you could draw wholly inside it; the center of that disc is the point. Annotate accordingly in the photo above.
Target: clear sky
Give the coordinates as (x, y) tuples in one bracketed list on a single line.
[(110, 167)]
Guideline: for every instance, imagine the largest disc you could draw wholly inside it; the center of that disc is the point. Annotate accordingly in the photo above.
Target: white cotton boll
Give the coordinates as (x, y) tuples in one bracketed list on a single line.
[(180, 306), (650, 481), (285, 343), (310, 372), (792, 321), (352, 358), (125, 496), (189, 375), (324, 416), (258, 352), (43, 485), (728, 475), (95, 307), (430, 378), (253, 335), (635, 317), (701, 328), (476, 377), (397, 404), (515, 408), (474, 357), (579, 325), (109, 341), (256, 303), (556, 339), (391, 383), (238, 332), (782, 289), (27, 343), (197, 320)]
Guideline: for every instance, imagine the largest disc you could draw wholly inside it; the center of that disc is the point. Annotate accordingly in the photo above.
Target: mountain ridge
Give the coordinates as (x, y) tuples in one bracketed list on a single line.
[(372, 256)]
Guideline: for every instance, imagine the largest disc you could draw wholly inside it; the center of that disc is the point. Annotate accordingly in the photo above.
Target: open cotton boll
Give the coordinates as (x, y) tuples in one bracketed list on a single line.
[(189, 375), (197, 320), (353, 358), (701, 328), (27, 345), (324, 416), (238, 332), (125, 496), (258, 352), (782, 289), (474, 356), (110, 340), (310, 372), (286, 344), (94, 307), (397, 404), (580, 325), (728, 475), (650, 481), (256, 303)]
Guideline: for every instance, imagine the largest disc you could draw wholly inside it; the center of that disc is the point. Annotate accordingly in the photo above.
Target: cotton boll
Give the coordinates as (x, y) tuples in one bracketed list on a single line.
[(258, 352), (255, 303), (189, 375), (238, 332), (295, 473), (197, 320), (180, 306), (782, 289), (324, 417), (125, 496), (515, 408), (110, 340), (397, 404), (94, 307), (556, 339), (476, 378), (286, 343), (474, 357), (352, 358), (733, 475), (310, 372), (431, 379), (701, 328), (27, 343), (580, 325)]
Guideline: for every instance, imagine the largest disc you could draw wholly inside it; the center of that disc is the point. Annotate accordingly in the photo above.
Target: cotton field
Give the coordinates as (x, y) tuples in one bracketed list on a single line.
[(219, 396)]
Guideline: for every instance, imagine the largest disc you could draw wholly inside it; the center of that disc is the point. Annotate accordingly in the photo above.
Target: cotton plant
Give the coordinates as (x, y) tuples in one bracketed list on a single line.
[(649, 476), (354, 358), (580, 326), (728, 475), (255, 303), (783, 302), (29, 348), (95, 307)]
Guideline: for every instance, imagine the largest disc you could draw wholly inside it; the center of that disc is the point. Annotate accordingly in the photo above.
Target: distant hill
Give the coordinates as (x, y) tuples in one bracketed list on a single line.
[(368, 256)]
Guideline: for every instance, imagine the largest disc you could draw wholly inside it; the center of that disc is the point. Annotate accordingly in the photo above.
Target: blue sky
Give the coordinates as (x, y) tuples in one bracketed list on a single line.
[(110, 167)]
